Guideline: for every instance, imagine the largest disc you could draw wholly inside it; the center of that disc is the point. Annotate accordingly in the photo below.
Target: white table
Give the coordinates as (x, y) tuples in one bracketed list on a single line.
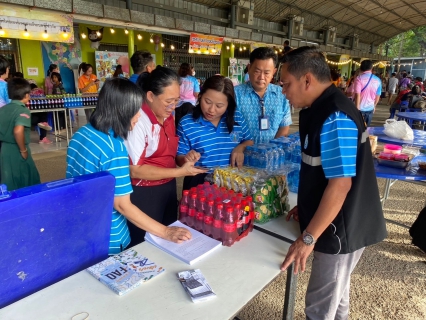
[(236, 274)]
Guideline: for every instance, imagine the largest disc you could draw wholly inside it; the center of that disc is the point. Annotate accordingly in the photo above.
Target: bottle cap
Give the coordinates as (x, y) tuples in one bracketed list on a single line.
[(219, 206), (202, 199), (194, 196), (237, 206), (210, 203), (229, 209), (185, 192)]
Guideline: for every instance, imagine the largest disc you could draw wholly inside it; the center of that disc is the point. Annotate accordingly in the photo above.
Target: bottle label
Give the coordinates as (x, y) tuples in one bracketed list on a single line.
[(229, 227), (191, 212), (208, 220), (240, 224), (200, 216), (217, 224), (183, 209)]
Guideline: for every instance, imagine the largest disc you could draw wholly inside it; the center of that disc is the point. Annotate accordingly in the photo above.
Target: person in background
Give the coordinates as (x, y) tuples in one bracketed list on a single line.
[(152, 147), (141, 61), (367, 91), (189, 90), (48, 84), (259, 99), (17, 167), (36, 91), (58, 87), (215, 134), (396, 105), (4, 74), (403, 83), (40, 118), (118, 72), (246, 75), (18, 75), (337, 171), (98, 146), (287, 47), (87, 83), (419, 82), (392, 85)]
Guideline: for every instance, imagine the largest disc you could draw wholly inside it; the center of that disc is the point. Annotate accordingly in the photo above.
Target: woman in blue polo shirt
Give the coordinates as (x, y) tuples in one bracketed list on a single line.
[(215, 134), (99, 146)]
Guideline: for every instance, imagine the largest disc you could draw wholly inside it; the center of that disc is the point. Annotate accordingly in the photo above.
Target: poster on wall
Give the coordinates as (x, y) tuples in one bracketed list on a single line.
[(106, 63), (201, 43), (36, 24), (67, 56)]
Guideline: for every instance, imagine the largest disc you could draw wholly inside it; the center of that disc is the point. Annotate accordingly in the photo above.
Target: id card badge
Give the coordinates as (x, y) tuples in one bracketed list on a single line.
[(263, 123)]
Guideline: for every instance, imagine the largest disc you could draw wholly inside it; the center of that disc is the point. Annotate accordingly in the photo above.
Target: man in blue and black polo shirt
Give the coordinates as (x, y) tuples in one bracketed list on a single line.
[(338, 205)]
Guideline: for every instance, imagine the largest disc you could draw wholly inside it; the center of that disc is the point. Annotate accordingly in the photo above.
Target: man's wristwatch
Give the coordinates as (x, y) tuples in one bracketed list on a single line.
[(308, 239)]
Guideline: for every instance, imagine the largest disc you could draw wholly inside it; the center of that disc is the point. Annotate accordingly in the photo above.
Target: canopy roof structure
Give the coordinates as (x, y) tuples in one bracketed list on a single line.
[(374, 21)]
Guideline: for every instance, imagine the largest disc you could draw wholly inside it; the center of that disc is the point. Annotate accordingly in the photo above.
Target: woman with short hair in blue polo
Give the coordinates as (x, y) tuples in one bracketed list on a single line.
[(215, 134)]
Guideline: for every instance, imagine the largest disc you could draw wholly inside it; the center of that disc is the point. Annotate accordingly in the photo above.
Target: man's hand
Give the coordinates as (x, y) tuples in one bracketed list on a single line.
[(299, 253), (176, 234), (293, 212), (192, 156), (237, 156)]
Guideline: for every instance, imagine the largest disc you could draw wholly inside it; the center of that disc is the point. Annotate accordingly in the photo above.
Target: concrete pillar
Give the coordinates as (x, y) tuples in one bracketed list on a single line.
[(326, 35), (233, 16), (290, 28), (131, 43)]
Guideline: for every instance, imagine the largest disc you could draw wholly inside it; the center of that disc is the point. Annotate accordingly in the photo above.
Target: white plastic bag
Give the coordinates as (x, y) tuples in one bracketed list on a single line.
[(398, 129)]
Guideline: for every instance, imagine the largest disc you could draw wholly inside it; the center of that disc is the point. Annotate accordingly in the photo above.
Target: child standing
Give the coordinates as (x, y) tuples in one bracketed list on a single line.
[(17, 167), (58, 88)]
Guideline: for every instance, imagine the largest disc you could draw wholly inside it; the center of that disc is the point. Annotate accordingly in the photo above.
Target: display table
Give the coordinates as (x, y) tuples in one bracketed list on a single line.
[(56, 121), (391, 175), (79, 108), (236, 274), (413, 116), (419, 137)]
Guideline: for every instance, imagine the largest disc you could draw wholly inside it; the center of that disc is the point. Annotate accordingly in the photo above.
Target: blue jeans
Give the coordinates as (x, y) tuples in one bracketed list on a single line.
[(368, 116)]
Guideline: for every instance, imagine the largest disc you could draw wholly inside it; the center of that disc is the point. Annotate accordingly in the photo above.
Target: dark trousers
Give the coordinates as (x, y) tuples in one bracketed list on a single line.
[(183, 110), (37, 118), (189, 182), (368, 116), (158, 202)]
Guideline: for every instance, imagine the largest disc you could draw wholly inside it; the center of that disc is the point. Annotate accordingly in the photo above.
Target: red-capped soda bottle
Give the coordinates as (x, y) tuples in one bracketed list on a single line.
[(183, 207), (239, 197), (217, 222), (192, 209), (251, 215), (199, 216), (208, 219), (238, 216), (229, 228), (246, 214)]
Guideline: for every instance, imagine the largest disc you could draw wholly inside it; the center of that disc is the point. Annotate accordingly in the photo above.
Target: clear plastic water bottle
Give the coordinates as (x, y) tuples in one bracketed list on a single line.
[(294, 170), (263, 159), (254, 159)]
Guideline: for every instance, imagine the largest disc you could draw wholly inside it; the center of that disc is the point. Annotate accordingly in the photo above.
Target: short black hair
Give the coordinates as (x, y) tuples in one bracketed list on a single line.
[(18, 88), (263, 53), (140, 60), (225, 86), (286, 43), (33, 86), (158, 79), (4, 64), (51, 68), (366, 65), (118, 102), (393, 74), (307, 59), (18, 75), (58, 75)]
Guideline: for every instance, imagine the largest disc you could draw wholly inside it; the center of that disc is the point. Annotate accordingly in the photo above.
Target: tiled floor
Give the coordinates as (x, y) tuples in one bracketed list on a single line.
[(61, 144)]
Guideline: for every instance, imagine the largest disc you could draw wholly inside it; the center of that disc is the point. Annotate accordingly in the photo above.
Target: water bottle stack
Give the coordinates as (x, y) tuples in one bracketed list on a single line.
[(217, 212)]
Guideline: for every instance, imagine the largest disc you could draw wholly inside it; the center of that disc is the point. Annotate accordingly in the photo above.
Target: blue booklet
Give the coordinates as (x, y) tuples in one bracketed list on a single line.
[(125, 271)]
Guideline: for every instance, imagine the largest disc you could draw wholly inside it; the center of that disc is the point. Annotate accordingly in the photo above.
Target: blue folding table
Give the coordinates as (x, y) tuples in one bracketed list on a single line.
[(419, 137), (413, 116), (51, 231)]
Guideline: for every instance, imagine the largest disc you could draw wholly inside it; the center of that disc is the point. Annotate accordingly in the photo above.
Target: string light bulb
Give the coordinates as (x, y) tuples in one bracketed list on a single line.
[(26, 33), (244, 48), (126, 31), (83, 36), (213, 50), (112, 30), (241, 49), (151, 40), (65, 34), (139, 36), (227, 47), (98, 33), (172, 47), (162, 45), (45, 35), (233, 45), (1, 32)]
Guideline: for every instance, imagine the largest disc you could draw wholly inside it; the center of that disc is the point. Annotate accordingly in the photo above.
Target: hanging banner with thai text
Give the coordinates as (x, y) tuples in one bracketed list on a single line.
[(35, 24), (205, 44)]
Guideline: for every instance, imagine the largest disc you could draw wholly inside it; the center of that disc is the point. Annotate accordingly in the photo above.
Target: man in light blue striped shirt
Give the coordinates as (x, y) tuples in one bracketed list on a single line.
[(339, 136)]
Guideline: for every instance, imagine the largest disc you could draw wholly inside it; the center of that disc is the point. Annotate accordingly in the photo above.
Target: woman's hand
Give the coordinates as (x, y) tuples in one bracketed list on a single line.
[(176, 234), (189, 169), (192, 156), (237, 156)]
